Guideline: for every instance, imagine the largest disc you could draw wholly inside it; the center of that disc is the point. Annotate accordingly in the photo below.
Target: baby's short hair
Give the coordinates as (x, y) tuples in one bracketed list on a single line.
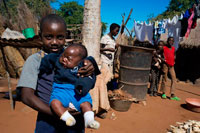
[(52, 18), (83, 51)]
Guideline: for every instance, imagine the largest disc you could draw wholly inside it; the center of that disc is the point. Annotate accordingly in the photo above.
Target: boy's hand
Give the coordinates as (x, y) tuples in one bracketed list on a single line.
[(87, 69)]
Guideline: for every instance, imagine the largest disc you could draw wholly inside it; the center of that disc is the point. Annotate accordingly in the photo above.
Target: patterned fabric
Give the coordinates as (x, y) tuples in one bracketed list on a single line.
[(109, 43), (155, 76)]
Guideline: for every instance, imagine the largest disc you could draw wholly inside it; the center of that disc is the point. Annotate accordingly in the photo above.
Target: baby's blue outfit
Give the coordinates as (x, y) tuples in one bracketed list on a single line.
[(66, 82)]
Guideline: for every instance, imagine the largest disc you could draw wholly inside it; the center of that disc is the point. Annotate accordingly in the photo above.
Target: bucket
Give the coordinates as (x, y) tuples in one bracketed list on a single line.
[(28, 33), (135, 65), (120, 105)]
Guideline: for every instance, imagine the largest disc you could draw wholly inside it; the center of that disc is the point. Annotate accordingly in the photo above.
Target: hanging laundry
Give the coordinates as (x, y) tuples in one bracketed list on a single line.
[(194, 19), (190, 21), (174, 29), (149, 32), (161, 29), (139, 31), (184, 23)]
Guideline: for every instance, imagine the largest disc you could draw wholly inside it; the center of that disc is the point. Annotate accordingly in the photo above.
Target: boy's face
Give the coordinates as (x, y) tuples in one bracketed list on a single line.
[(171, 41), (115, 31), (53, 36), (70, 57), (160, 45)]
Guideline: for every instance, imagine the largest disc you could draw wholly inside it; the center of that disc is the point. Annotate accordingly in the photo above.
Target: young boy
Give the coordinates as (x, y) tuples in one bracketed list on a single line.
[(157, 61), (168, 66), (107, 49), (68, 88), (36, 91)]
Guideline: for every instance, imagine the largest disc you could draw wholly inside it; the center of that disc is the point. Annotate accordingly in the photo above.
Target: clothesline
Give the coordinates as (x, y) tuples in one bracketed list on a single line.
[(177, 27)]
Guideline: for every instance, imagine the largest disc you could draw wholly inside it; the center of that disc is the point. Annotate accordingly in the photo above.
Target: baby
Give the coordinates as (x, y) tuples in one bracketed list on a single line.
[(69, 90)]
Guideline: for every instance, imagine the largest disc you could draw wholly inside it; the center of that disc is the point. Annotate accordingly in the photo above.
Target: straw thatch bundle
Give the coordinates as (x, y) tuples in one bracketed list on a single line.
[(27, 20), (1, 25), (122, 39), (3, 68), (194, 38), (14, 58)]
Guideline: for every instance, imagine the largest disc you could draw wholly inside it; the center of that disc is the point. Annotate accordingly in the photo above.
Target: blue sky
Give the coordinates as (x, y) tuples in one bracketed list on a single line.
[(111, 10)]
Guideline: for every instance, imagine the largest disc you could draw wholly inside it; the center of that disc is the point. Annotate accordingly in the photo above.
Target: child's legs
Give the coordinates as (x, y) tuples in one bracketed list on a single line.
[(57, 107), (153, 80), (86, 106), (157, 80), (173, 80), (164, 79)]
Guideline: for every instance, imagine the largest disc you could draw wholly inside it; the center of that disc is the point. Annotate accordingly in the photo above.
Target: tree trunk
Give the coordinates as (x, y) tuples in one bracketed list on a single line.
[(92, 27)]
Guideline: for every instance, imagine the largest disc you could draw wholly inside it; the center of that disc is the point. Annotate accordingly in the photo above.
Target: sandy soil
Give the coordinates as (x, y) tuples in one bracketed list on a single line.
[(154, 117)]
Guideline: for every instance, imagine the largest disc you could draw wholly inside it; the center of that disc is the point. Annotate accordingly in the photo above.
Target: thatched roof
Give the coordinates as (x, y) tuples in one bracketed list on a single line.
[(194, 38)]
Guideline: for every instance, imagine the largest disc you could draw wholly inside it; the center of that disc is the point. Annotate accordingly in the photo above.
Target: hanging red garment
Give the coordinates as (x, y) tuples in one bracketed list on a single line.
[(194, 23), (190, 21)]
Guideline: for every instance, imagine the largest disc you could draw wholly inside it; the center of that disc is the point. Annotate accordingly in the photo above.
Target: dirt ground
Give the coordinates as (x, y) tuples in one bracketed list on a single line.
[(154, 117)]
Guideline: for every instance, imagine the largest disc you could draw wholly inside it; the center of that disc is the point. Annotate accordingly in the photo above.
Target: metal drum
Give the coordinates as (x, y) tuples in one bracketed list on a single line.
[(135, 65)]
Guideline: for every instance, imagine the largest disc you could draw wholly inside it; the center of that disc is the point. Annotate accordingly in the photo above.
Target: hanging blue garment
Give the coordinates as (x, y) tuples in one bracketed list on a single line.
[(161, 29), (187, 14)]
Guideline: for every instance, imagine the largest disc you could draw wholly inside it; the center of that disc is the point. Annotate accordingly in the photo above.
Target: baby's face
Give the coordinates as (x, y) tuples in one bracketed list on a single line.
[(70, 57), (53, 36)]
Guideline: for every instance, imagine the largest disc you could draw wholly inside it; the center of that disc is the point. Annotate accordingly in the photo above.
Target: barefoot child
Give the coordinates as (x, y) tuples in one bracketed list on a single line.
[(69, 90), (157, 61)]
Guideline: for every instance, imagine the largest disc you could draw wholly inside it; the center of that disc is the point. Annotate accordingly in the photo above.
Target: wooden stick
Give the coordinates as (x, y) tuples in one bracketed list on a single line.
[(8, 75), (124, 24), (10, 92)]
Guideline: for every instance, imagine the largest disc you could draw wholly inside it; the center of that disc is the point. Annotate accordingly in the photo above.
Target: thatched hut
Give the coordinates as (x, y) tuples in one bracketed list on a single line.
[(187, 57)]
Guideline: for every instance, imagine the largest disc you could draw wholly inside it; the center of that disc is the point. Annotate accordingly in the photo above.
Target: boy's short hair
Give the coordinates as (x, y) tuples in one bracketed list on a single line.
[(113, 26), (52, 18), (83, 51), (169, 38), (161, 41)]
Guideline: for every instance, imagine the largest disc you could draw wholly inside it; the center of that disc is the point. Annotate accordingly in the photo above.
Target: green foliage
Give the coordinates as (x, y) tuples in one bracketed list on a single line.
[(36, 6), (103, 28), (175, 7), (71, 12)]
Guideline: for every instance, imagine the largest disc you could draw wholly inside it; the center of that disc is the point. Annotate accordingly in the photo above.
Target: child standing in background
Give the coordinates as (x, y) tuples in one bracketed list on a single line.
[(168, 66), (156, 68)]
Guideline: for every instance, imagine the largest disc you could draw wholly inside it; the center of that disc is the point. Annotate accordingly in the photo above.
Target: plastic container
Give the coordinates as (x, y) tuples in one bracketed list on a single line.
[(193, 104), (28, 33)]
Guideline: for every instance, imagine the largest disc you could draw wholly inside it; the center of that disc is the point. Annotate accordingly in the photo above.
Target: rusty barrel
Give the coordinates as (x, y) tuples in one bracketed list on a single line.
[(135, 65)]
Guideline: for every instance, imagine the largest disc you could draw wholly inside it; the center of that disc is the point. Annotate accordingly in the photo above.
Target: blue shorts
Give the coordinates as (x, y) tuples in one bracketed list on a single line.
[(65, 93)]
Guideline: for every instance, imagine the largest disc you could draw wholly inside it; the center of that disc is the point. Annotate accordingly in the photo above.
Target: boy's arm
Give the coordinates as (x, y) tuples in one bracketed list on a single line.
[(84, 84), (29, 98), (28, 82), (90, 67), (102, 48)]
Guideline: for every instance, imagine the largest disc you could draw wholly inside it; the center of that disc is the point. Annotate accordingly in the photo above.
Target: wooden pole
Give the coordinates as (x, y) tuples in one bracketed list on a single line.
[(8, 76)]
